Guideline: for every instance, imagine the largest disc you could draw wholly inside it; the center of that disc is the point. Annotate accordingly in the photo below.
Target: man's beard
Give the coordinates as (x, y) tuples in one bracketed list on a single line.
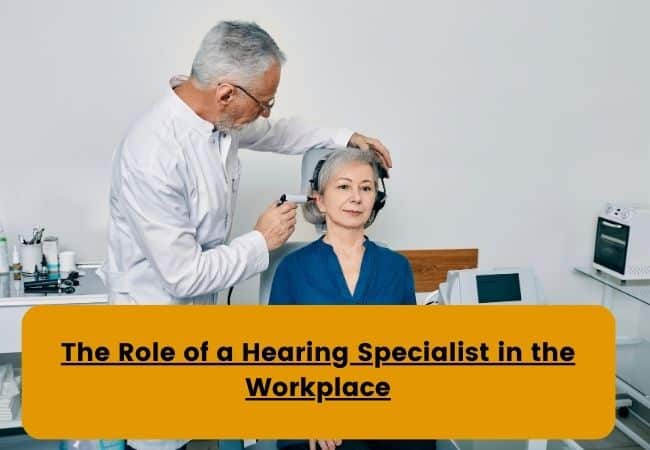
[(227, 124)]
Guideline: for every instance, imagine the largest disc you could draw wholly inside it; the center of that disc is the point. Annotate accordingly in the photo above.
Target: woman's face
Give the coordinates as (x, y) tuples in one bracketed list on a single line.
[(348, 196)]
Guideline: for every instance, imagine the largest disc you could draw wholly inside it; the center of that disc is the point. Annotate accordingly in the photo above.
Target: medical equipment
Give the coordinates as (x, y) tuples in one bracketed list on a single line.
[(50, 283), (64, 285), (51, 290), (491, 286), (294, 198), (37, 235), (622, 247)]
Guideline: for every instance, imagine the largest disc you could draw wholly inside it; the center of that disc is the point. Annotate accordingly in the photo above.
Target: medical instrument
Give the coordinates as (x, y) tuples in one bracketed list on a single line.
[(622, 247), (50, 290), (294, 198), (37, 234), (517, 285), (71, 280), (49, 283), (65, 285), (74, 275)]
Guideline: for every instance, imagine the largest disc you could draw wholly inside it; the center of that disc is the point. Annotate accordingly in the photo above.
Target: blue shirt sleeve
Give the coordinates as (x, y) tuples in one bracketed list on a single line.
[(281, 287)]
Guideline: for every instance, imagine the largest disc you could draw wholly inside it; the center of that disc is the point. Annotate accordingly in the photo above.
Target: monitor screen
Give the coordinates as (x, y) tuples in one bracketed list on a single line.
[(498, 288)]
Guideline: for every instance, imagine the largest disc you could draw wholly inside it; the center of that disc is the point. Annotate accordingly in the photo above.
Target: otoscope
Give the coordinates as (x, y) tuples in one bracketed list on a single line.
[(294, 198)]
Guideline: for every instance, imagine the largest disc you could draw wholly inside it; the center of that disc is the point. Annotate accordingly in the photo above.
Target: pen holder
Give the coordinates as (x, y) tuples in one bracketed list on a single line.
[(31, 255)]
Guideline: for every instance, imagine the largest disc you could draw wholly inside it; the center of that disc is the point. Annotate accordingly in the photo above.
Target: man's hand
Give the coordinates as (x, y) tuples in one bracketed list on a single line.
[(277, 223), (367, 143), (324, 444)]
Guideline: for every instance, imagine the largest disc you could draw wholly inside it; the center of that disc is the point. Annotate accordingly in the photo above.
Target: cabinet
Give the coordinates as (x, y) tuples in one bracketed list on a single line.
[(14, 303), (630, 303)]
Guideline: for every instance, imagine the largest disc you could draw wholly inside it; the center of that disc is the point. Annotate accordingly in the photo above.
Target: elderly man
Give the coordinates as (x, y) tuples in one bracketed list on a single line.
[(175, 178)]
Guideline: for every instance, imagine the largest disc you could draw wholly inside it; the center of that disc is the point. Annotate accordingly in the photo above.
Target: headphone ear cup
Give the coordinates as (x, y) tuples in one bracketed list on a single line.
[(380, 201)]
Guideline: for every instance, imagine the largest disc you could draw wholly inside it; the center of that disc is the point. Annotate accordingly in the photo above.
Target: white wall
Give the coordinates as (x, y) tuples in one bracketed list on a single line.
[(510, 122)]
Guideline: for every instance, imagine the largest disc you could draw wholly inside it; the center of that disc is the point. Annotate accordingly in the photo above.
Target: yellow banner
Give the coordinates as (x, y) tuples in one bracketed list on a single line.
[(492, 372)]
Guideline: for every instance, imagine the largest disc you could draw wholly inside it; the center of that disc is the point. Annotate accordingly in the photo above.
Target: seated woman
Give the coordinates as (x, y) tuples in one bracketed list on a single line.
[(344, 267)]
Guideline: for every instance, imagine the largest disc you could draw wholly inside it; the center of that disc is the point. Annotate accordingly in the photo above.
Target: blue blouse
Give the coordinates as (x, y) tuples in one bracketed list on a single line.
[(312, 275)]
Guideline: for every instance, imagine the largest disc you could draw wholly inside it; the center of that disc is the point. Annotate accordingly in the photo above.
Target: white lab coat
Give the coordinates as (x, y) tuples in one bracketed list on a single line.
[(173, 188)]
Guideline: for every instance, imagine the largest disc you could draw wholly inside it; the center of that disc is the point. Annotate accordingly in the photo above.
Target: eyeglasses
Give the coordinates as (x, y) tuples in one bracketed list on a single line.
[(265, 107)]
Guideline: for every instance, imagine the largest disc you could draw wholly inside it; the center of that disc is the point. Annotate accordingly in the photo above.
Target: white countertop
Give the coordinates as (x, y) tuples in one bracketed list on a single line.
[(91, 289), (52, 300)]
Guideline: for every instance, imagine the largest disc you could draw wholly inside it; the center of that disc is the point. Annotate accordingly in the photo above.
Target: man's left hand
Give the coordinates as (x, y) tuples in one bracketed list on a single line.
[(367, 143)]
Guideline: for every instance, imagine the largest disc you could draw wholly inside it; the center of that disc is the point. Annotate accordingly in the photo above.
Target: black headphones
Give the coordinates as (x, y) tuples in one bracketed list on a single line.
[(380, 199)]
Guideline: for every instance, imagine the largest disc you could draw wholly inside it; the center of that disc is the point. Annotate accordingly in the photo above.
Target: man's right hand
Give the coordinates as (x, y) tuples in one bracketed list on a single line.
[(277, 223)]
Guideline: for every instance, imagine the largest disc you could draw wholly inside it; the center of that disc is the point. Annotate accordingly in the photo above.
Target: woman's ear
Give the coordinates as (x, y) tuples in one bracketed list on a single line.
[(319, 202)]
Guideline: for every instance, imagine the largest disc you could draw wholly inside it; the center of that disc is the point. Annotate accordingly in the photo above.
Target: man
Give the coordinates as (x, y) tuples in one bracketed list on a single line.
[(175, 178)]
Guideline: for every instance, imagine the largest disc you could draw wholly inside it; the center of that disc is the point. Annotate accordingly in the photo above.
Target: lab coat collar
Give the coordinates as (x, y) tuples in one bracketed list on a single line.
[(186, 113)]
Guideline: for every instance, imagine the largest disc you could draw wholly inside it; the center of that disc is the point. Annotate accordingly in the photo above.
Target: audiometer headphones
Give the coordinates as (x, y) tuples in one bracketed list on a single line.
[(380, 199)]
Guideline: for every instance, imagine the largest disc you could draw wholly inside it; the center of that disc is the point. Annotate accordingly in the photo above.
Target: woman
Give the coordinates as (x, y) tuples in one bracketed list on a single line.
[(344, 267)]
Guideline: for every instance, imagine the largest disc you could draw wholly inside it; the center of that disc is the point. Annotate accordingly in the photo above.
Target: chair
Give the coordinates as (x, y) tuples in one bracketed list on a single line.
[(266, 277)]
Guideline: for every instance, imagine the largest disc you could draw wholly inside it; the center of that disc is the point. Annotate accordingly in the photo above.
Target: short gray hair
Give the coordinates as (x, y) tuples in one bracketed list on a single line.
[(241, 51), (331, 165)]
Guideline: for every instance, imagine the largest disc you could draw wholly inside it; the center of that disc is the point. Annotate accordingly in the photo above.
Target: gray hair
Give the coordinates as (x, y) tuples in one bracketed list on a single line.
[(241, 51), (330, 167)]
